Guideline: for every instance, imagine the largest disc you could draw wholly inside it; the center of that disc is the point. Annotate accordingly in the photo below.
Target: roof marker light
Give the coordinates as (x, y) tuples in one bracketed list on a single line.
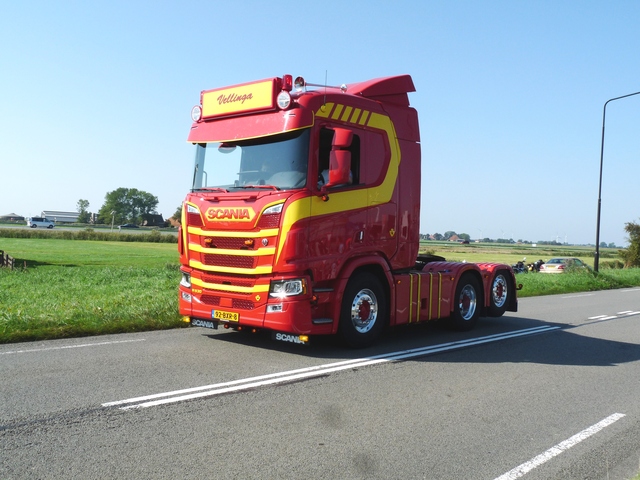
[(287, 83)]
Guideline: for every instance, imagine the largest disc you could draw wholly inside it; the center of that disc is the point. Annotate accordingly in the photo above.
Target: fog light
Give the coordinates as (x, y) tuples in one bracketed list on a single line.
[(274, 308), (186, 297)]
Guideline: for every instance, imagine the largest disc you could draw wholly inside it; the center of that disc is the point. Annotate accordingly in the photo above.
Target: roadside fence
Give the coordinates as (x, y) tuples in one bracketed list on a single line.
[(7, 260)]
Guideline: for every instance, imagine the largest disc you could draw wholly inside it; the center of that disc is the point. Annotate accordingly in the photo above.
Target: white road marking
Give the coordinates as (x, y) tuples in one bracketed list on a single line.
[(310, 372), (580, 295), (99, 344), (627, 313), (559, 448)]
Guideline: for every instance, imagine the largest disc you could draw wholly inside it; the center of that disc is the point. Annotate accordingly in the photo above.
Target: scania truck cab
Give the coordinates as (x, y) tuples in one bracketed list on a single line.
[(303, 217)]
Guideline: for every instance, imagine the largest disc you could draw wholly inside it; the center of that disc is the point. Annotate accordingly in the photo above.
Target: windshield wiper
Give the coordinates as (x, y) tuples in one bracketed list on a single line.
[(210, 189), (271, 187)]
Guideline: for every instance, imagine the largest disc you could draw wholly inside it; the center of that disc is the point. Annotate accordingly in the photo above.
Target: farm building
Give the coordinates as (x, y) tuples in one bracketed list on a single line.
[(11, 217), (60, 217)]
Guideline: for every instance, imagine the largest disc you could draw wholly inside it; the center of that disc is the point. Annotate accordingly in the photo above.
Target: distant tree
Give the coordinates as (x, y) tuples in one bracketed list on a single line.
[(178, 215), (449, 234), (464, 236), (83, 210), (437, 236), (612, 245), (127, 205), (603, 244), (631, 254)]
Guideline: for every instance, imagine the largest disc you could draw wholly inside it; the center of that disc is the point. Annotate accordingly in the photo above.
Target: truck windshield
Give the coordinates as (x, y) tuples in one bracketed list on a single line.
[(277, 161)]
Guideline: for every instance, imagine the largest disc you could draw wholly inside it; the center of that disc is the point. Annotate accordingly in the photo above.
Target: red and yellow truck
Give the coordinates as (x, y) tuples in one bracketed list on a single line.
[(303, 217)]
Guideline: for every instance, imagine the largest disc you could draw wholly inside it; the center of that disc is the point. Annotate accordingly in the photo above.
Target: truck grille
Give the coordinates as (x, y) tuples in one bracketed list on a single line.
[(229, 261), (227, 243), (238, 304), (269, 221), (194, 219)]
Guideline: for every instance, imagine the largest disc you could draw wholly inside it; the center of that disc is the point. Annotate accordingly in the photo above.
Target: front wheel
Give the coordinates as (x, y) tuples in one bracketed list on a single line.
[(364, 310), (500, 292), (466, 308)]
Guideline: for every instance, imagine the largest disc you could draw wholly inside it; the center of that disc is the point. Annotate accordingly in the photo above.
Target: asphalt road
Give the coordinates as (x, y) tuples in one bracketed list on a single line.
[(552, 392)]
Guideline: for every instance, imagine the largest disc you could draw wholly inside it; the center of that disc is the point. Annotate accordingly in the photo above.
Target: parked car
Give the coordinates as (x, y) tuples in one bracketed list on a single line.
[(562, 264), (44, 222), (128, 225)]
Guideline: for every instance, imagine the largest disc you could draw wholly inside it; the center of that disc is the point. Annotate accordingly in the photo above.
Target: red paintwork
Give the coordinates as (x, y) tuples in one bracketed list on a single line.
[(324, 242)]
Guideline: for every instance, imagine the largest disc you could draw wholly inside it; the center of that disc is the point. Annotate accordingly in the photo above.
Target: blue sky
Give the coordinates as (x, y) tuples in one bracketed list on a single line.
[(97, 95)]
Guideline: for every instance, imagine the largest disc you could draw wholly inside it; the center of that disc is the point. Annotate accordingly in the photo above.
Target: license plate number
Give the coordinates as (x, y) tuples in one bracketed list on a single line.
[(225, 316)]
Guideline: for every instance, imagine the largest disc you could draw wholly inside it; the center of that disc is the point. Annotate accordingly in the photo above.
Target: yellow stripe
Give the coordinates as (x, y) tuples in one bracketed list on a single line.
[(337, 112), (262, 270), (440, 295), (325, 110), (271, 232), (194, 247), (430, 294), (410, 296), (418, 299), (229, 288), (346, 114), (356, 114)]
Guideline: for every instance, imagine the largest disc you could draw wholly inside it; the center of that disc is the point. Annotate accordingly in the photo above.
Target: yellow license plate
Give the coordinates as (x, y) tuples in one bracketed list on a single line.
[(225, 316)]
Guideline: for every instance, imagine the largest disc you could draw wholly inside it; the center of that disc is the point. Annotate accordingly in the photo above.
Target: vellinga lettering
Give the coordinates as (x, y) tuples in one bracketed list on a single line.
[(233, 98)]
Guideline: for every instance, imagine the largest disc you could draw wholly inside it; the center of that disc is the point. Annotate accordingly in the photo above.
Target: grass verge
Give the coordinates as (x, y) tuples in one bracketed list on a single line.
[(92, 286), (71, 289)]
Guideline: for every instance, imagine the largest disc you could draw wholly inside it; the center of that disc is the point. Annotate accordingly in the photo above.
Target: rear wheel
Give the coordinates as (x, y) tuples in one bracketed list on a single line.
[(500, 291), (364, 310), (466, 308)]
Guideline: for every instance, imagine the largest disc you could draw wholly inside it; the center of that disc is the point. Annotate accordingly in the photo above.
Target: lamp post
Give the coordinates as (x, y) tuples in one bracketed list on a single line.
[(596, 259)]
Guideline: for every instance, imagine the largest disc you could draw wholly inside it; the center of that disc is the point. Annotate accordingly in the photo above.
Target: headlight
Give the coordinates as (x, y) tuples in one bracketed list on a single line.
[(185, 281), (273, 209), (288, 288), (284, 100)]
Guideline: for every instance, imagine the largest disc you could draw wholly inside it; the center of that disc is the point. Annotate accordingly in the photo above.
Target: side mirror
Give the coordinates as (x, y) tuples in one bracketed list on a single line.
[(339, 168), (339, 159), (341, 138)]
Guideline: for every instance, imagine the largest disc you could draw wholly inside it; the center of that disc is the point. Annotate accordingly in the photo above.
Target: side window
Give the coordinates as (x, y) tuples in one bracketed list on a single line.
[(324, 151)]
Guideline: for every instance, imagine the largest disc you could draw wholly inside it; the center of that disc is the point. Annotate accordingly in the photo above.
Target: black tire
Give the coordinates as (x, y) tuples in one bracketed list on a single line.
[(364, 311), (33, 225), (466, 304), (50, 226), (500, 294)]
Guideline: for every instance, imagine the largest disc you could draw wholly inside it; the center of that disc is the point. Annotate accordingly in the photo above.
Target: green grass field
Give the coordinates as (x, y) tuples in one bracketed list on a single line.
[(74, 287), (77, 288)]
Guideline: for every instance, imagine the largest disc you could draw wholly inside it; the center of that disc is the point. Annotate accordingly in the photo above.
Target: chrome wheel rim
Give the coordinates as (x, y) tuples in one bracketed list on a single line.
[(467, 302), (499, 291), (364, 310)]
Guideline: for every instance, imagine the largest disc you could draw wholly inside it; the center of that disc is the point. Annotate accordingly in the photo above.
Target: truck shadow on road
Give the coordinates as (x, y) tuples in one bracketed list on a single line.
[(564, 345)]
